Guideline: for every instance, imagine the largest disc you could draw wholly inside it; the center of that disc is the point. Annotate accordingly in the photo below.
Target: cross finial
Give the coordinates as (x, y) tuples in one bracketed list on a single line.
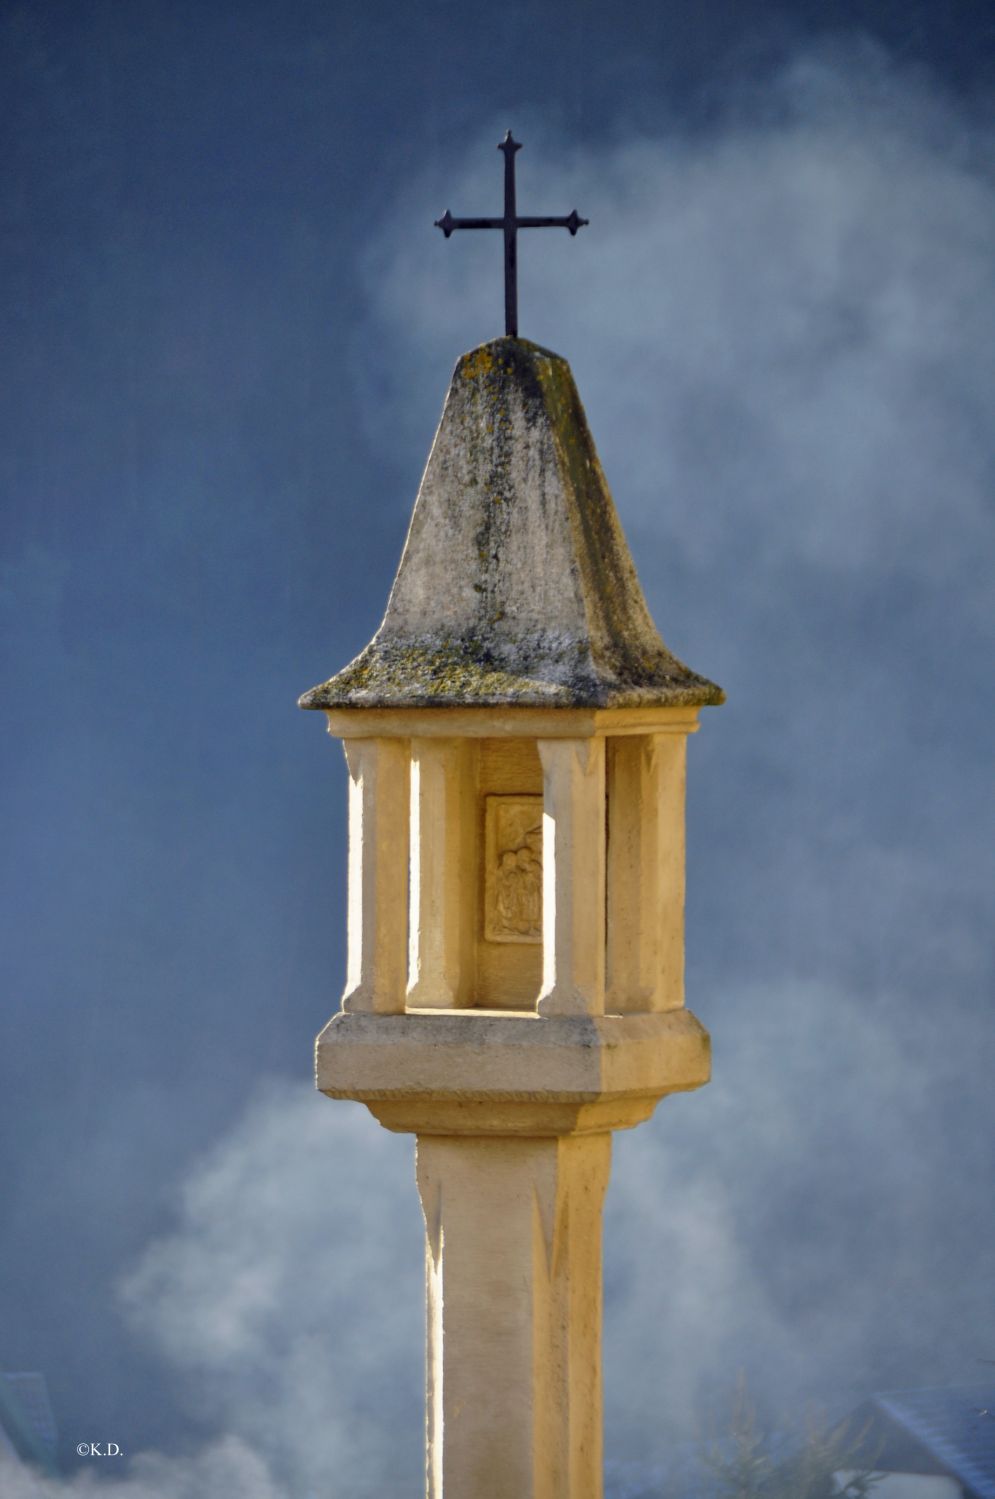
[(511, 222)]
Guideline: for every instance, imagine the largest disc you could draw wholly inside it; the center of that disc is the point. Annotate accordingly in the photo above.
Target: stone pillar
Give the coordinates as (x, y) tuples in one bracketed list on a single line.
[(376, 964), (515, 564), (573, 877), (513, 1267), (645, 940), (441, 936)]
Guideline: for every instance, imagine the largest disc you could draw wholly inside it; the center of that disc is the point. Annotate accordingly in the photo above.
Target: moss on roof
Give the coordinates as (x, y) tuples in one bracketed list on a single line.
[(516, 585)]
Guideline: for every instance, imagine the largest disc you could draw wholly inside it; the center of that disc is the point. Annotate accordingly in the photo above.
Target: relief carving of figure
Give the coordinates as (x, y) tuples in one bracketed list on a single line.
[(513, 868), (519, 887)]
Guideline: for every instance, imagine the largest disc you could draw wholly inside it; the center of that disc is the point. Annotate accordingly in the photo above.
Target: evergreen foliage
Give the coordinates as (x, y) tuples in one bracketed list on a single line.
[(751, 1462)]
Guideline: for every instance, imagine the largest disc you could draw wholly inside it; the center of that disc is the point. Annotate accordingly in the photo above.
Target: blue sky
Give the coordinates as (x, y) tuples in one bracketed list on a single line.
[(227, 329)]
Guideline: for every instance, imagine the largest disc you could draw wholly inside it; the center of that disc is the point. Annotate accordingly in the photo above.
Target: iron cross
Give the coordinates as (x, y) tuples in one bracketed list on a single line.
[(510, 223)]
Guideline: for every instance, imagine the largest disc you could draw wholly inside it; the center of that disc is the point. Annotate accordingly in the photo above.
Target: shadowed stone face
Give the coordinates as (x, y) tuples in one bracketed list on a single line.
[(516, 585)]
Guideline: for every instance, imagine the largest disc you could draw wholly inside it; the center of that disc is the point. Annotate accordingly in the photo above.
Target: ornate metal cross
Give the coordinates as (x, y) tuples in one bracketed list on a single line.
[(510, 223)]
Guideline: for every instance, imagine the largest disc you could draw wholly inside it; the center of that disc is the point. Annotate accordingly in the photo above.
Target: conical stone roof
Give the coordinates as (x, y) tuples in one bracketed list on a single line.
[(516, 586)]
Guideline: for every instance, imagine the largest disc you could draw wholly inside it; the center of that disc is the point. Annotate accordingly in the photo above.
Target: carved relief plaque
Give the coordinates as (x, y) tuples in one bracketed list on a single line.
[(513, 869)]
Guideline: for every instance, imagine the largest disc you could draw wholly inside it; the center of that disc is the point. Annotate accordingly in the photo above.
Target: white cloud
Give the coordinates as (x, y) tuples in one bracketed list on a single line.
[(781, 325), (290, 1294), (797, 1218), (801, 1218)]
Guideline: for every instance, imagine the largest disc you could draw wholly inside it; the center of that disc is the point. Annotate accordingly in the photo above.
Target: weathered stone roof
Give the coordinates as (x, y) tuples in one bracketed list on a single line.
[(516, 585)]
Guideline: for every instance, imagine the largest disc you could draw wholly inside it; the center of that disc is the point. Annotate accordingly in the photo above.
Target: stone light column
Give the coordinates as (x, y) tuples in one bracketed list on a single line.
[(515, 737)]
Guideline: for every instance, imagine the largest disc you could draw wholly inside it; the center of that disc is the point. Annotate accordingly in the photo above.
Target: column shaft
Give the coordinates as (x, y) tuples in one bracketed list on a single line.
[(645, 938), (376, 973), (443, 824), (573, 877), (668, 770), (513, 1263)]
